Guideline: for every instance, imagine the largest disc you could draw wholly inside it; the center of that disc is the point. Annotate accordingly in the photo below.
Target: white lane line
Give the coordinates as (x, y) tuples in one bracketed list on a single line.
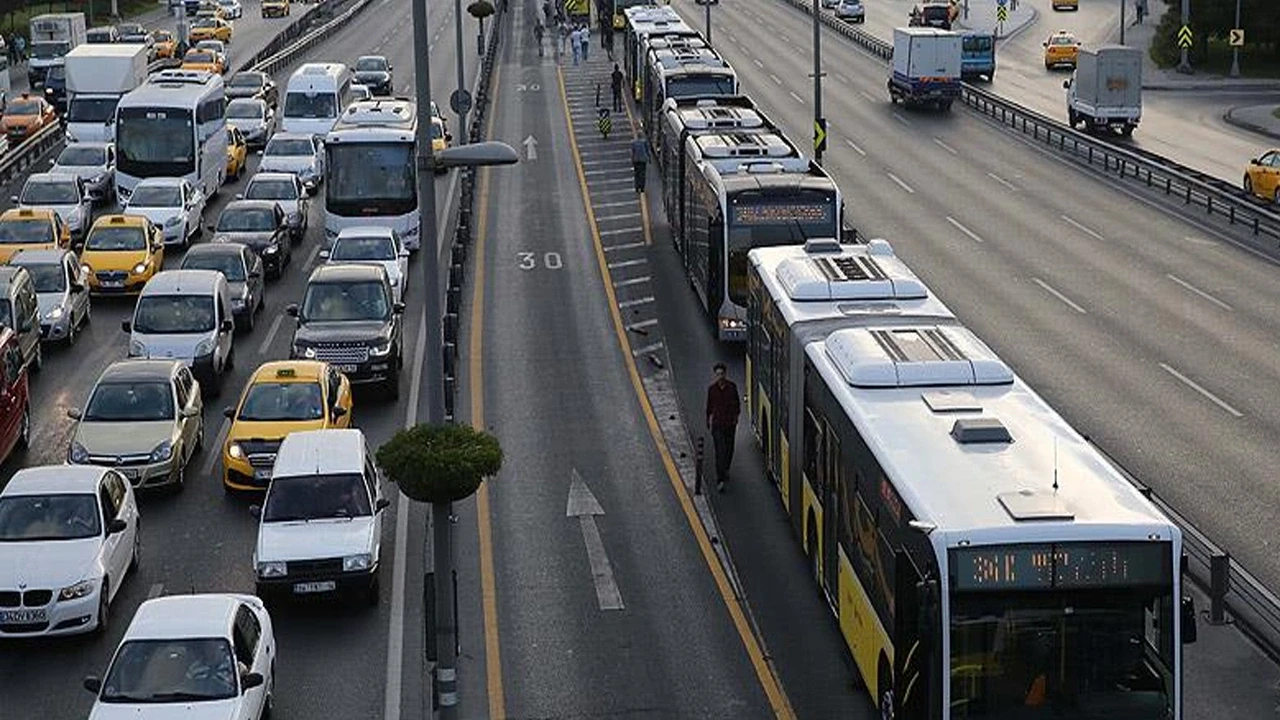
[(620, 231), (796, 97), (617, 216), (956, 223), (733, 37), (901, 184), (271, 334), (609, 171), (624, 246), (1208, 395), (855, 147), (618, 160), (1198, 291), (626, 263), (213, 451), (1049, 289), (156, 591), (643, 324), (315, 252), (945, 146), (843, 79), (1003, 182), (868, 96), (1202, 242), (637, 301), (655, 347), (633, 281), (775, 78), (758, 63), (629, 203), (1082, 228), (784, 37), (614, 181), (901, 119)]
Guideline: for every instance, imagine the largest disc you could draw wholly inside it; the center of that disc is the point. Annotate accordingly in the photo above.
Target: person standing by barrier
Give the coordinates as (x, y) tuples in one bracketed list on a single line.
[(723, 408), (575, 41), (615, 81), (537, 35), (639, 160), (585, 32)]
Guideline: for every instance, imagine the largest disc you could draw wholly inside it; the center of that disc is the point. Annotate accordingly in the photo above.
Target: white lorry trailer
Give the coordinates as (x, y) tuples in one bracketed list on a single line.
[(926, 66), (97, 77), (53, 35), (1106, 90)]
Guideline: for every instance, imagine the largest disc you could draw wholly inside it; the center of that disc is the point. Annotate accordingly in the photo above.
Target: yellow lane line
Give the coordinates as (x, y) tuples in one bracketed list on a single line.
[(772, 687), (484, 513)]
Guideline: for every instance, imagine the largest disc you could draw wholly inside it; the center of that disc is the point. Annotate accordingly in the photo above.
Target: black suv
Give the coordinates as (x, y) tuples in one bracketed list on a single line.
[(348, 319)]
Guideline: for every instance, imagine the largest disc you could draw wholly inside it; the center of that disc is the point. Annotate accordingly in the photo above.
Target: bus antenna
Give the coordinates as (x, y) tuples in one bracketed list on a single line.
[(1055, 466)]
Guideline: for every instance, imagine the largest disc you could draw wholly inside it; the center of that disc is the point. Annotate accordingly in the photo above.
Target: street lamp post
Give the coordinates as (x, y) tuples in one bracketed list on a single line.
[(1235, 51), (461, 109), (1122, 10), (817, 78), (707, 4)]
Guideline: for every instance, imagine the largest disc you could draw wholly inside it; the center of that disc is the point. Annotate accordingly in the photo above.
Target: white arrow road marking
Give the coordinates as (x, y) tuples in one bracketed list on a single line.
[(531, 147), (584, 506)]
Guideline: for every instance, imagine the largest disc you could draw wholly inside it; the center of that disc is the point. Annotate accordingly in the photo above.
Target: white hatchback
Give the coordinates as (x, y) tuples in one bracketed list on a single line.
[(68, 539), (191, 656), (372, 245)]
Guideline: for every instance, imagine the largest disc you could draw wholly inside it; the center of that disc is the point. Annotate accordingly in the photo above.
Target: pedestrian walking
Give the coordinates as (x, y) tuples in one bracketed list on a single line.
[(616, 81), (723, 409), (585, 31), (537, 35), (546, 11), (639, 162), (606, 39), (21, 45), (575, 41)]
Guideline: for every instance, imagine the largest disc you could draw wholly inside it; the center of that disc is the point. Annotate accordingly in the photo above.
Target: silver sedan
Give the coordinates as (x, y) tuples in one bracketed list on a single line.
[(94, 164)]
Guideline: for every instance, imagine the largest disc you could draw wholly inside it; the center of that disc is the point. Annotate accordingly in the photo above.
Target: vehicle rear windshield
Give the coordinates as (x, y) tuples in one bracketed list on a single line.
[(91, 109), (338, 301), (271, 190), (247, 220), (275, 401), (77, 155), (230, 265), (51, 193), (243, 80), (357, 248), (174, 314), (198, 57), (244, 110), (289, 146), (33, 518), (26, 232), (312, 497), (156, 196), (130, 238), (977, 43), (310, 105), (371, 64), (135, 401)]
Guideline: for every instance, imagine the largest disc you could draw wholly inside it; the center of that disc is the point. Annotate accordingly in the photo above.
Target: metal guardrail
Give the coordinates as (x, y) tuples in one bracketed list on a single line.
[(25, 154)]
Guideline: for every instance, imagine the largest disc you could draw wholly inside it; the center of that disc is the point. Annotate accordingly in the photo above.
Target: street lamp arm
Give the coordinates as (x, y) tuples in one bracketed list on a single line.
[(489, 152)]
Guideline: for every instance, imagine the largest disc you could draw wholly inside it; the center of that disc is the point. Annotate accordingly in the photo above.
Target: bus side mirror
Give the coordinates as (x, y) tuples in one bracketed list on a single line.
[(1188, 620)]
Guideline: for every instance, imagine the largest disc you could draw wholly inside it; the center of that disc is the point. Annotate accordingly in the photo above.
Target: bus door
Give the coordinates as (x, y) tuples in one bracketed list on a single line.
[(917, 624), (830, 487), (715, 266)]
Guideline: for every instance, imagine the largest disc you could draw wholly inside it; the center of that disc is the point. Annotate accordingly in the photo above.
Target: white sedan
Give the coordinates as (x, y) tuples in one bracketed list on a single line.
[(372, 245), (233, 9), (174, 204), (191, 656), (68, 539)]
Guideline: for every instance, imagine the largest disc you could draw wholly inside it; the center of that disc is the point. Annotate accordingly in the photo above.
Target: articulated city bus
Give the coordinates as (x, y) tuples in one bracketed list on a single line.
[(682, 71), (982, 558), (646, 22)]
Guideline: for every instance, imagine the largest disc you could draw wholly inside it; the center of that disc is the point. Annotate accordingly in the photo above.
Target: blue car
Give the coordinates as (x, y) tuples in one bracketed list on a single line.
[(978, 56)]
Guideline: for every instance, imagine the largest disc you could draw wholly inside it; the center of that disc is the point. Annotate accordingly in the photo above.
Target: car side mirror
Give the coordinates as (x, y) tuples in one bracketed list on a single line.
[(53, 162), (93, 684), (239, 196), (1253, 161), (229, 412), (448, 137), (1044, 44), (324, 254), (190, 412), (398, 308), (1066, 84), (255, 273), (77, 288), (382, 504), (228, 325), (291, 310), (117, 525), (126, 326), (73, 413), (256, 511), (404, 253), (13, 199), (339, 412), (251, 681)]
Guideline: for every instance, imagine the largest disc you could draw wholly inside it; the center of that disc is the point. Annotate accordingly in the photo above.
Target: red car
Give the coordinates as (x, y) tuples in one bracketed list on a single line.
[(15, 400)]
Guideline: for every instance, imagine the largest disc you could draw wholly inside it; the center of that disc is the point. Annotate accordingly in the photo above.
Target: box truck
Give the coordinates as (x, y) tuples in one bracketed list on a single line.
[(1106, 89), (97, 76), (53, 35), (926, 66)]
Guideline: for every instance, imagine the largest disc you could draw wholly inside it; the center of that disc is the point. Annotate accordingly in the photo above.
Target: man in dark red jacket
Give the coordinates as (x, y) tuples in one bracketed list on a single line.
[(723, 409)]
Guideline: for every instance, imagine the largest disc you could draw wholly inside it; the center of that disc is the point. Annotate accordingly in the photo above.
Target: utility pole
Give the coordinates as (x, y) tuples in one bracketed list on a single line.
[(462, 108), (1235, 51), (707, 5), (1184, 64), (817, 77), (1122, 11)]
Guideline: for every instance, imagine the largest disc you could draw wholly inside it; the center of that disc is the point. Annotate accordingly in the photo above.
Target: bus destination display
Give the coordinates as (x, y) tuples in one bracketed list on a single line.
[(1062, 566), (782, 213)]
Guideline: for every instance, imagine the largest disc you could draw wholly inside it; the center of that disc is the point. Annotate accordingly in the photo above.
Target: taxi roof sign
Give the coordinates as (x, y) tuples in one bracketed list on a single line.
[(286, 372)]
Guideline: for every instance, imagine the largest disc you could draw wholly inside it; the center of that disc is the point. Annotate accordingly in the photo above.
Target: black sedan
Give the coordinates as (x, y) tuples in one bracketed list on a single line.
[(252, 84), (261, 225), (374, 72)]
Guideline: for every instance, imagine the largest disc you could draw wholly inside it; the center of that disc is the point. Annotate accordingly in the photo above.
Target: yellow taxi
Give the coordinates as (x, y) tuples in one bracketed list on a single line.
[(440, 139), (1066, 4), (121, 253), (237, 153), (165, 43), (209, 29), (31, 229), (206, 60), (211, 11), (275, 8), (1062, 48), (25, 116), (281, 397), (1262, 177)]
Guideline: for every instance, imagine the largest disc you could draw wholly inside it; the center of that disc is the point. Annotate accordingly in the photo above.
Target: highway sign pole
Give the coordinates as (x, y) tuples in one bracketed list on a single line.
[(1122, 11), (1184, 63), (707, 6), (817, 79), (461, 109), (1235, 47)]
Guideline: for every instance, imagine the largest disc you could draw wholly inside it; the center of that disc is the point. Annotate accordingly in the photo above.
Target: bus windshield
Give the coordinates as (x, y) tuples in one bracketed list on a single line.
[(370, 179), (761, 219), (695, 85), (155, 142)]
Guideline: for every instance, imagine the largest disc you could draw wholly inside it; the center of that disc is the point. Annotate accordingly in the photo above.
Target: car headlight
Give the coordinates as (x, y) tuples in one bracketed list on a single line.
[(55, 313), (78, 454), (271, 250), (295, 218), (174, 221), (163, 451), (356, 563), (87, 270), (137, 348), (380, 350), (235, 451), (238, 302), (204, 347), (271, 569), (79, 590), (139, 268), (72, 138), (97, 179)]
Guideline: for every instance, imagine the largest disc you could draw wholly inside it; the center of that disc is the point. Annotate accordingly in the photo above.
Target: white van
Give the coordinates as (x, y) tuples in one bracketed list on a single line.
[(315, 97), (185, 315)]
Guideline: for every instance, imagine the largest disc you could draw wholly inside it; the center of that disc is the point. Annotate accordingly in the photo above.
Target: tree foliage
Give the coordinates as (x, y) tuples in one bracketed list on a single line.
[(1211, 20), (440, 463), (480, 9)]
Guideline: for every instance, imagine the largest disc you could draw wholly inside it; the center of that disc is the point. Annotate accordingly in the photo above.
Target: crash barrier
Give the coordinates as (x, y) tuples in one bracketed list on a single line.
[(23, 155), (464, 231)]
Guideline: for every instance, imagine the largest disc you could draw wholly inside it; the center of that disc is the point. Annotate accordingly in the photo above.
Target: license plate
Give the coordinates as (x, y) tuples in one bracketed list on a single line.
[(113, 283), (16, 617), (308, 588), (262, 474), (130, 474), (348, 368)]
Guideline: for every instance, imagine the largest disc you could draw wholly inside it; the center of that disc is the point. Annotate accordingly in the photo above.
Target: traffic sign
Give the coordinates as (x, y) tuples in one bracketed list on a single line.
[(460, 101), (1002, 14), (820, 135), (1002, 3), (1184, 36), (1237, 37)]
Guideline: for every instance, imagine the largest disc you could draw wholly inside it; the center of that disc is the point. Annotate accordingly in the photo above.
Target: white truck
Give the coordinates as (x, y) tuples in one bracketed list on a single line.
[(926, 67), (53, 35), (1106, 90), (97, 76)]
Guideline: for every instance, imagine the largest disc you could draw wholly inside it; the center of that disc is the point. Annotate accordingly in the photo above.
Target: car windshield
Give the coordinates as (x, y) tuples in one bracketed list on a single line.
[(171, 671), (310, 105), (156, 196), (245, 110), (334, 301), (246, 80), (229, 264), (31, 518), (130, 401), (175, 314), (271, 190), (46, 50), (36, 231), (371, 64), (247, 220), (206, 23), (198, 57), (290, 146), (48, 277), (109, 239), (283, 401), (76, 155), (437, 130), (162, 36), (311, 497), (23, 107), (6, 313), (88, 109), (1063, 40), (364, 248), (50, 193)]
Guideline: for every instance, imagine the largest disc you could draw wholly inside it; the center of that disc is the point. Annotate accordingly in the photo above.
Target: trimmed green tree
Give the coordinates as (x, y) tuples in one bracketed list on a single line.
[(440, 463)]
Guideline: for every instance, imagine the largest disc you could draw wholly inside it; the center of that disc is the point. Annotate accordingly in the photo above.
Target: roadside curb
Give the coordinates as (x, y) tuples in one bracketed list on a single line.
[(1229, 118), (1225, 86)]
